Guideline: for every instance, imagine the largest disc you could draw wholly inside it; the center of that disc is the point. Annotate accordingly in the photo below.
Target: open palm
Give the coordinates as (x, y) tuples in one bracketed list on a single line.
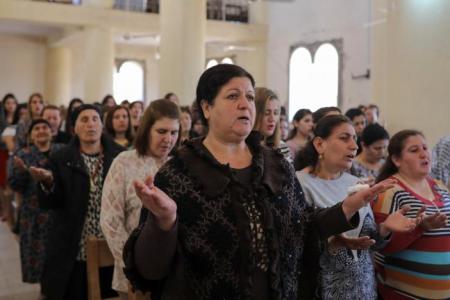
[(155, 200)]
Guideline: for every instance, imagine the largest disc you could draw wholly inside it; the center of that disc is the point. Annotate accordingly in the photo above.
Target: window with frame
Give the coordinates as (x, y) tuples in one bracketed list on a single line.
[(314, 76), (129, 81)]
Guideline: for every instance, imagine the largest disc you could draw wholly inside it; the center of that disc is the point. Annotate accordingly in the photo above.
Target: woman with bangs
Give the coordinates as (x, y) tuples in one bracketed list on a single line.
[(374, 140), (156, 137), (301, 134), (118, 126), (343, 265)]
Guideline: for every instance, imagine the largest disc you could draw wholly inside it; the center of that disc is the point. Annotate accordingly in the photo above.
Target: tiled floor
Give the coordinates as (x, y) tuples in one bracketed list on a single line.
[(11, 285)]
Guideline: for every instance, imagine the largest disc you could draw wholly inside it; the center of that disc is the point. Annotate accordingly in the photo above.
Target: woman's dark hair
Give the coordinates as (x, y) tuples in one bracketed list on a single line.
[(16, 117), (353, 113), (6, 97), (213, 79), (109, 128), (282, 110), (300, 114), (157, 109), (395, 148), (321, 112), (137, 102), (308, 156), (186, 109), (262, 96), (362, 107), (373, 133), (106, 98), (374, 106), (68, 126), (168, 95), (3, 113)]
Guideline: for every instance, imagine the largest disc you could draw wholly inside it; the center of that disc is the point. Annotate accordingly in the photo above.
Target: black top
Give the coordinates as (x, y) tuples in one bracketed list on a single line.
[(61, 138)]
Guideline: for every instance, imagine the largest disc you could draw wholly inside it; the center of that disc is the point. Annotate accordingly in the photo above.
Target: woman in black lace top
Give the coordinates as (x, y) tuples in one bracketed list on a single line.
[(226, 217)]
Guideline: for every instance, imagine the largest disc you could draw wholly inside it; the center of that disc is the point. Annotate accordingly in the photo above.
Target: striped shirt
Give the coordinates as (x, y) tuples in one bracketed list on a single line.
[(414, 265)]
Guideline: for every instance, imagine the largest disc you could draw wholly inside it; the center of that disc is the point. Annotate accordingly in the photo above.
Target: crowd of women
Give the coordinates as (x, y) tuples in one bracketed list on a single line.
[(224, 199)]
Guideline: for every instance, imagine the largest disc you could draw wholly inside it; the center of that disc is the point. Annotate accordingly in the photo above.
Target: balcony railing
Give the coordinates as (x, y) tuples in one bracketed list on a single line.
[(227, 10), (149, 6), (222, 10)]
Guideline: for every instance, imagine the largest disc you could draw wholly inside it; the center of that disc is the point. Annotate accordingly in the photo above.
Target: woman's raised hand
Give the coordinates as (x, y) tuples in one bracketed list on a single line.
[(353, 243), (42, 175), (361, 198), (155, 200), (397, 222), (434, 221), (19, 164)]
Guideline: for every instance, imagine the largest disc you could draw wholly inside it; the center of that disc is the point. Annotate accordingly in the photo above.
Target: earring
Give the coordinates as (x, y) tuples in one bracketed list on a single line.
[(320, 156)]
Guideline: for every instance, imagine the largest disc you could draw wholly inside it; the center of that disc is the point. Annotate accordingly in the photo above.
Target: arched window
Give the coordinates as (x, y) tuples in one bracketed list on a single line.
[(313, 83), (129, 81), (300, 74)]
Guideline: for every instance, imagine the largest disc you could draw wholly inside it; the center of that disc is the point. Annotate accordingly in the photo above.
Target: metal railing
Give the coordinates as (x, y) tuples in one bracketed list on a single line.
[(222, 10), (227, 10)]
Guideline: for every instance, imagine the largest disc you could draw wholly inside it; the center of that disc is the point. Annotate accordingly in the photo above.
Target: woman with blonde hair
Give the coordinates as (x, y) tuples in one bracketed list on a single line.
[(267, 121)]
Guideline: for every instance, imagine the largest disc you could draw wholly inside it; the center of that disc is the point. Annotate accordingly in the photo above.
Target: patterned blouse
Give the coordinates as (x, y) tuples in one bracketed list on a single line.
[(440, 164), (344, 274), (94, 167), (121, 206), (255, 215), (361, 171)]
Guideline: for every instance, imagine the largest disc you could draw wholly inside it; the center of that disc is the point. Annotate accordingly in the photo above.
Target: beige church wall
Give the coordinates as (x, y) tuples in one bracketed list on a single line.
[(254, 61), (411, 65), (145, 54), (77, 70), (252, 57), (303, 21), (22, 61)]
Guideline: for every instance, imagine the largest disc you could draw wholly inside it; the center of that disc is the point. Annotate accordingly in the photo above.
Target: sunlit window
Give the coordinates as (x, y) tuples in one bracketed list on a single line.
[(211, 63), (313, 83), (129, 82)]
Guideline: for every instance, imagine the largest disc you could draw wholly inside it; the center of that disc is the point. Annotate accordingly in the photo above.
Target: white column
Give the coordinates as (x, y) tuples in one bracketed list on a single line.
[(99, 63), (258, 12), (182, 47), (58, 79)]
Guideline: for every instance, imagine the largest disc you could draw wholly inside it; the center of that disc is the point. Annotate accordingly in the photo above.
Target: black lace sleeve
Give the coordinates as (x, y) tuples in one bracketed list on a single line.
[(137, 281)]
